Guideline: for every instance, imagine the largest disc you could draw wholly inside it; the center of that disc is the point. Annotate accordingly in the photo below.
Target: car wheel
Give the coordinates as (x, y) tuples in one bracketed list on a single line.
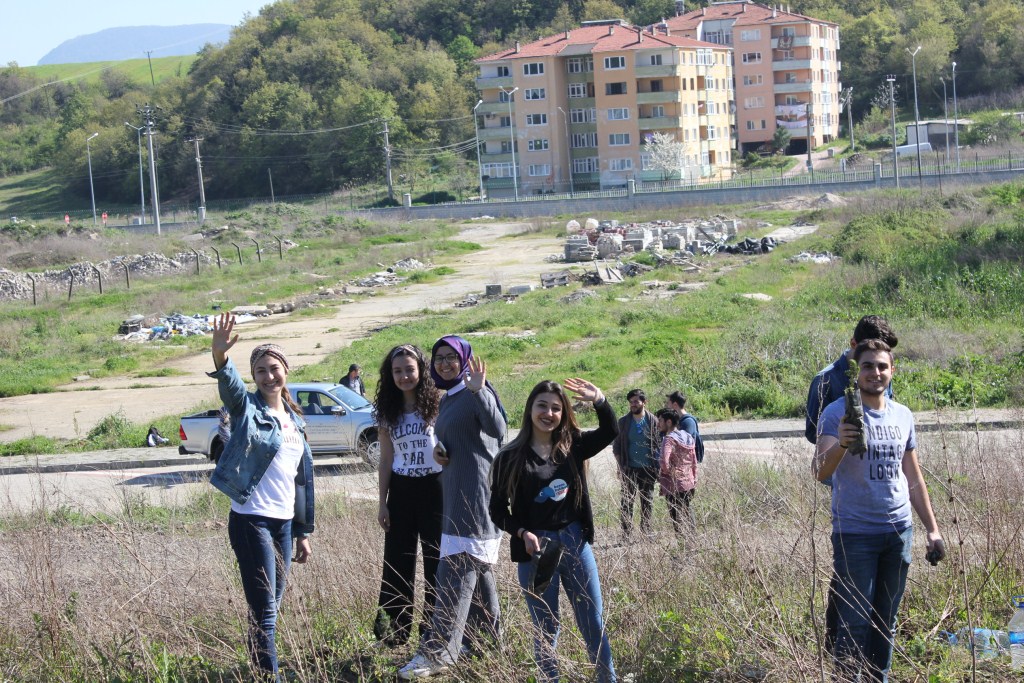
[(216, 449), (369, 447)]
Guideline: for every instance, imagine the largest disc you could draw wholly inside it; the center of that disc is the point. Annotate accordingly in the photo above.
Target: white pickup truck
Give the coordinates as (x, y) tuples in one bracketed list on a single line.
[(338, 420)]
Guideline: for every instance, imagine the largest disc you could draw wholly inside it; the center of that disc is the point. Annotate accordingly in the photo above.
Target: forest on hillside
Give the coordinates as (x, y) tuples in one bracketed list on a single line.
[(303, 89)]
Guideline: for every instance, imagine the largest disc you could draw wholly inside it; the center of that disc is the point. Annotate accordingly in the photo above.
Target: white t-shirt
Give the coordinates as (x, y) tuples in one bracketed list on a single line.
[(414, 441), (274, 495)]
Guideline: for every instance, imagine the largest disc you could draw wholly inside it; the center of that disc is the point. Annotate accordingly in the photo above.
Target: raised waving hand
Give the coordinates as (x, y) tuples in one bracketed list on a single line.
[(584, 390), (477, 374), (223, 326)]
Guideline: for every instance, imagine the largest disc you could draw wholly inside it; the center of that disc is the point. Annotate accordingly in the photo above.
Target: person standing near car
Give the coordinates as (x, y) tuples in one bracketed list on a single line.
[(410, 496), (470, 428), (353, 380), (266, 469)]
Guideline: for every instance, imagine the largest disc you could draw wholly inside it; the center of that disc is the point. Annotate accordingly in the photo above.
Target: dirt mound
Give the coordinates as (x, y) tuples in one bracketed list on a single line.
[(804, 203)]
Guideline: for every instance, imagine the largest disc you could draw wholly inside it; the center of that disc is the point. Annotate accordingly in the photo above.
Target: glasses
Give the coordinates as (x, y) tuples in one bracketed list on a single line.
[(450, 359)]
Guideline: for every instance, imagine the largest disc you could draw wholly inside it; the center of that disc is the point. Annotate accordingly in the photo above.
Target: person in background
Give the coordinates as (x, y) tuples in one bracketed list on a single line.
[(636, 450), (266, 469), (470, 428), (677, 472), (872, 527), (353, 380), (409, 508), (155, 438), (539, 495)]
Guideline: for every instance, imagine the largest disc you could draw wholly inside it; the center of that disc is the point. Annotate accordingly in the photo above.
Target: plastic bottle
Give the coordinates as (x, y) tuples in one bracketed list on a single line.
[(1016, 635), (987, 643)]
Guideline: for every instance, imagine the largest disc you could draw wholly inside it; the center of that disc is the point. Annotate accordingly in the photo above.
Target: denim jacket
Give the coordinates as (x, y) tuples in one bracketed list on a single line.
[(255, 440)]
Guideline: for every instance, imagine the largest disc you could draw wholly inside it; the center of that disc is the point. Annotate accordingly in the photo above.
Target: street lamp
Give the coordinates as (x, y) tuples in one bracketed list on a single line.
[(479, 168), (917, 122), (892, 106), (512, 139), (945, 117), (956, 122), (92, 194), (568, 152), (142, 188)]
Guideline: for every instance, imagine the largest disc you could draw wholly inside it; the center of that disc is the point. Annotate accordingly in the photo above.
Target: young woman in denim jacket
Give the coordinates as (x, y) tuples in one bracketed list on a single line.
[(539, 495), (267, 471)]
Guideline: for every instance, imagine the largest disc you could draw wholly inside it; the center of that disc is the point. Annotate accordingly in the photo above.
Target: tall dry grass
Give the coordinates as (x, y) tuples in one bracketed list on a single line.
[(152, 594)]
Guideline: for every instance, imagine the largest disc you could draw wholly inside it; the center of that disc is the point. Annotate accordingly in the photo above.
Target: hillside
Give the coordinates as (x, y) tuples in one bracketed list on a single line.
[(129, 42)]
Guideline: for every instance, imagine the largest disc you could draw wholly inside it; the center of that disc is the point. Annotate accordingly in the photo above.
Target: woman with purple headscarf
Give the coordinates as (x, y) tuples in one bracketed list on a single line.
[(470, 428)]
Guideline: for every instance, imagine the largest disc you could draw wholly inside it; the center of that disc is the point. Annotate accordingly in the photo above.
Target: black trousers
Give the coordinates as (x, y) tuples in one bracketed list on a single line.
[(414, 504), (679, 509), (637, 480)]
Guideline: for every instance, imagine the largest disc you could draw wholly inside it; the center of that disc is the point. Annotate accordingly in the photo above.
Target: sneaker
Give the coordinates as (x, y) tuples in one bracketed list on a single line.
[(420, 666)]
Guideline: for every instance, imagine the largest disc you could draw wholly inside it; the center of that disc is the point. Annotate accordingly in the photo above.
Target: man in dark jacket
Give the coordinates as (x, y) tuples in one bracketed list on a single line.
[(353, 381), (636, 450)]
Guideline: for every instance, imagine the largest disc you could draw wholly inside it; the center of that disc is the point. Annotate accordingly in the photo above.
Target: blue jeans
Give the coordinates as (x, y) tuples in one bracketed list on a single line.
[(871, 575), (577, 571), (263, 547)]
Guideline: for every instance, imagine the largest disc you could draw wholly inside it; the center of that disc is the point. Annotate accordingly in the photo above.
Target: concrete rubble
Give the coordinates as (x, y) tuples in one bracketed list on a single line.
[(807, 257), (609, 239)]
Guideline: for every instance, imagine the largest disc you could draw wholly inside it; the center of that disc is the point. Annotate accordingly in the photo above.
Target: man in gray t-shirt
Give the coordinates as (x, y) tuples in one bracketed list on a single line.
[(872, 527)]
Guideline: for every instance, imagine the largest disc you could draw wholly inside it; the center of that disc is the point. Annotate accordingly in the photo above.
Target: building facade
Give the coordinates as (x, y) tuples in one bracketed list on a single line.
[(578, 111), (786, 67)]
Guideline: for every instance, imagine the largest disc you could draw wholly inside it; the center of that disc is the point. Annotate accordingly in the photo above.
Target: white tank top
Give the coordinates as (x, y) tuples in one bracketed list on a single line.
[(274, 496), (414, 441)]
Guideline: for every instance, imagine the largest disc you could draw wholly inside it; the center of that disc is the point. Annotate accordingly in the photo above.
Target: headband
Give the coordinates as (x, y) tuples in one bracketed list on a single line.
[(272, 350)]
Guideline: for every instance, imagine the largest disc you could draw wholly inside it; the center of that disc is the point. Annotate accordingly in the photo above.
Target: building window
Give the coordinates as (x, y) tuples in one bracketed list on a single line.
[(614, 63), (764, 125), (618, 114), (506, 146), (750, 125), (499, 170), (504, 122), (536, 119), (656, 86), (583, 140), (577, 90), (790, 77), (752, 34), (503, 72), (753, 102), (655, 60), (537, 145), (645, 162), (705, 57), (533, 69), (614, 88), (535, 94), (540, 170), (579, 65), (792, 99), (582, 115), (657, 111), (620, 164), (751, 57), (618, 139), (586, 165), (505, 96), (784, 55)]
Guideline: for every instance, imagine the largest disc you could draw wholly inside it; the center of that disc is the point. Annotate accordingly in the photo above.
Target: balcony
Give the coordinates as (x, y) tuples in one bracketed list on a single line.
[(800, 86), (496, 133), (583, 152), (492, 108), (658, 97), (790, 64), (495, 157), (660, 71), (494, 82), (795, 41), (658, 122)]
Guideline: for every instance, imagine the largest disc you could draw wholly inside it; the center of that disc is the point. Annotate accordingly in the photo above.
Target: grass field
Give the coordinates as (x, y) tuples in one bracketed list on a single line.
[(136, 69)]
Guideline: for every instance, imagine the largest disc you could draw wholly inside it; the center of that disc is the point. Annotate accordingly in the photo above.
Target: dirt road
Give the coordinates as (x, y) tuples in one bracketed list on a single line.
[(505, 259)]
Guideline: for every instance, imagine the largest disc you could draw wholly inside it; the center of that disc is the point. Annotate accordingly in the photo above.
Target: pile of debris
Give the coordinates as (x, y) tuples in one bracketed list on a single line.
[(140, 328), (608, 239), (750, 247), (806, 257)]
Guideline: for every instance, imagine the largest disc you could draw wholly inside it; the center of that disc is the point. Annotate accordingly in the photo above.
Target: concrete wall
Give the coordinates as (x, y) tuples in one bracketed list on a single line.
[(674, 199)]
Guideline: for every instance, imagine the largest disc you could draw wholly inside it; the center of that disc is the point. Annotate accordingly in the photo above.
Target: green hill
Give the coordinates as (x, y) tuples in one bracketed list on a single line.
[(137, 70)]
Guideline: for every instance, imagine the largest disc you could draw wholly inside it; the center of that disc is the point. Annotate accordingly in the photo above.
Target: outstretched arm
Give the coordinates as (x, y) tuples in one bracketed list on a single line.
[(223, 326)]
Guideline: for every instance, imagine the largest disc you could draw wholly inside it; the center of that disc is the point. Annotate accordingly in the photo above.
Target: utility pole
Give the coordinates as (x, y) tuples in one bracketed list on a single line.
[(917, 119), (202, 191), (149, 56), (387, 162), (848, 103), (271, 178), (892, 105), (142, 184), (147, 113), (810, 137)]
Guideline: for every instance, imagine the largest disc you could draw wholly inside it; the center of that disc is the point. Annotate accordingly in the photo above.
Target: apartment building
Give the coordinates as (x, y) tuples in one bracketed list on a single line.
[(786, 67), (574, 111)]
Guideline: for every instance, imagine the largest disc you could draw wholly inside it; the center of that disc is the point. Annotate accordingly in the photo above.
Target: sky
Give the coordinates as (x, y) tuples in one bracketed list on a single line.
[(31, 28)]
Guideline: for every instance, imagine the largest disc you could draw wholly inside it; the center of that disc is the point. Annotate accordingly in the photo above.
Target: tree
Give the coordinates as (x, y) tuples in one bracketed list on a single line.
[(781, 138), (666, 154)]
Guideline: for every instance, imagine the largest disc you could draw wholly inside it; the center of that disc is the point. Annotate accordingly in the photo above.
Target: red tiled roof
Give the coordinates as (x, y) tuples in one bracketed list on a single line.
[(621, 38), (744, 13)]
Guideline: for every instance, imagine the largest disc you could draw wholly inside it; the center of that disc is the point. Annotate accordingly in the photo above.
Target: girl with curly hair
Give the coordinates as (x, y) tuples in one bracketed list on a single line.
[(409, 483)]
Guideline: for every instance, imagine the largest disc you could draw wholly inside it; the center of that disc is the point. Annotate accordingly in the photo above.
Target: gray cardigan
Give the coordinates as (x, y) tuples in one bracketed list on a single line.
[(471, 428)]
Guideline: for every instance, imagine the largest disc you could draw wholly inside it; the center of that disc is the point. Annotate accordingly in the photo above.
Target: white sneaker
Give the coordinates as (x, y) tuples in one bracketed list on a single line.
[(420, 666)]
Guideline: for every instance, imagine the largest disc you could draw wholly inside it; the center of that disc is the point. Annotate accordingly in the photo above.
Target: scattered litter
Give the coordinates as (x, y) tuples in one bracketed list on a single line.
[(757, 296), (409, 264), (559, 279), (807, 257), (632, 269), (381, 279), (525, 334), (578, 295), (750, 246), (470, 300)]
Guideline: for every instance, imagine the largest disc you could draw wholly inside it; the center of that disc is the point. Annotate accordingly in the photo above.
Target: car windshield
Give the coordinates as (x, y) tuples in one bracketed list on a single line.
[(350, 398)]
